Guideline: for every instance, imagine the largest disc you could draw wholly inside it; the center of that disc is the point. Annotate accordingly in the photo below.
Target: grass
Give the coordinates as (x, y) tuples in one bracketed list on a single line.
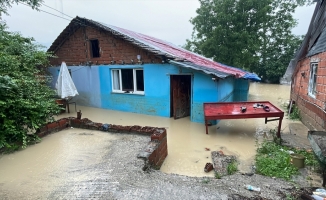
[(273, 159), (289, 197), (295, 114), (206, 180), (232, 167), (217, 175)]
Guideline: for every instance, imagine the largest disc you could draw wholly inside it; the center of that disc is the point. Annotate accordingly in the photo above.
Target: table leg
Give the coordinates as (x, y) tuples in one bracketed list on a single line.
[(68, 107), (279, 128), (324, 176), (206, 126)]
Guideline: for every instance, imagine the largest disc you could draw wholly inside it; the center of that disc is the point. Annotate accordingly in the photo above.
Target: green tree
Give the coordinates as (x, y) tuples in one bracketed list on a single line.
[(254, 35), (26, 102), (5, 4)]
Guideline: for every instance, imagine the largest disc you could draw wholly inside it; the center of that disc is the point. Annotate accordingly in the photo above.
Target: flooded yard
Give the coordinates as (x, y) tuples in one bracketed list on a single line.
[(40, 168), (46, 164), (187, 141)]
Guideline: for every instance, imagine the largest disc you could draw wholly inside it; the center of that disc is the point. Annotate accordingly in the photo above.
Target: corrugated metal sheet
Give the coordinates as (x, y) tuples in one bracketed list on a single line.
[(320, 45), (159, 47), (200, 68)]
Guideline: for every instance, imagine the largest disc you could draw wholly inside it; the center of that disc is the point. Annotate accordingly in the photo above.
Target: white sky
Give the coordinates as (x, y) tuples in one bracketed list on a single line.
[(163, 19)]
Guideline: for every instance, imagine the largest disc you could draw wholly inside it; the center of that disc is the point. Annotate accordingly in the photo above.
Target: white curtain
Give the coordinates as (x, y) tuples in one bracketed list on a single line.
[(116, 81)]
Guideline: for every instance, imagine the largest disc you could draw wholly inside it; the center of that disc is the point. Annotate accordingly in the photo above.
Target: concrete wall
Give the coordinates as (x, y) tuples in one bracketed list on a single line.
[(312, 109), (95, 89)]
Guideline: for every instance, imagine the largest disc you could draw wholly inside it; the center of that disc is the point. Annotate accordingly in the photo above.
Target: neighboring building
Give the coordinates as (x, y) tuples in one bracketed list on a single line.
[(308, 84), (114, 68)]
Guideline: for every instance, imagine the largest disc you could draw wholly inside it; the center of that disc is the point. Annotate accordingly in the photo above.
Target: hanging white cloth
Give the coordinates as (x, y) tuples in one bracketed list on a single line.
[(65, 86)]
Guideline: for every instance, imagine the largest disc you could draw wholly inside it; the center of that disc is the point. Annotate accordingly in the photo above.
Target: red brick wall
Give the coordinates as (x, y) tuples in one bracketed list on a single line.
[(313, 110), (153, 154), (76, 49)]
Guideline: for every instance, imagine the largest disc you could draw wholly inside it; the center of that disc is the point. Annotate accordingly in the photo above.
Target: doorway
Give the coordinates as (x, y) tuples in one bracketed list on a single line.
[(180, 93)]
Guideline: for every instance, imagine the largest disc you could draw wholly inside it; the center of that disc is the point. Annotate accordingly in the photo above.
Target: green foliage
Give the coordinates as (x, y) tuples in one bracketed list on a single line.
[(289, 197), (217, 175), (206, 180), (311, 159), (232, 167), (295, 114), (274, 160), (5, 4), (26, 101), (253, 35), (271, 161)]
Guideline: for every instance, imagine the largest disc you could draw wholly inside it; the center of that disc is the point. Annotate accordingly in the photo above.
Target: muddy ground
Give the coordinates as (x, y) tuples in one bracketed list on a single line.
[(116, 173)]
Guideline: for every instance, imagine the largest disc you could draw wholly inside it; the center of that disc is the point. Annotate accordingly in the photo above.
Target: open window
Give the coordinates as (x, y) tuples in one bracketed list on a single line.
[(128, 81), (95, 49), (313, 80)]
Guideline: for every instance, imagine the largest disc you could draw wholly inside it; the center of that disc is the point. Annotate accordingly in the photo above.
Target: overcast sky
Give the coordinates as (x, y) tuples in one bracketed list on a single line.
[(164, 19)]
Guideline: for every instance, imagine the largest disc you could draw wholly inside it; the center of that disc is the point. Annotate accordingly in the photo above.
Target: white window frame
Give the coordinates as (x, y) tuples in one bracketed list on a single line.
[(135, 91), (313, 80)]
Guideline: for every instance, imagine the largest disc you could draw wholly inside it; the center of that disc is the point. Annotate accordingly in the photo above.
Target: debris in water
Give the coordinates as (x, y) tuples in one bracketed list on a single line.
[(208, 167)]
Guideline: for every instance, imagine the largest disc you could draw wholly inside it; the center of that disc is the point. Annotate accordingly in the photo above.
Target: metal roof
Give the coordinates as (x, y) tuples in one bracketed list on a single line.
[(175, 54), (314, 41), (319, 46)]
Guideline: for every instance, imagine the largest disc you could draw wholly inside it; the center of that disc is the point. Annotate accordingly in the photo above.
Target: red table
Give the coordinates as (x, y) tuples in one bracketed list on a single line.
[(232, 110)]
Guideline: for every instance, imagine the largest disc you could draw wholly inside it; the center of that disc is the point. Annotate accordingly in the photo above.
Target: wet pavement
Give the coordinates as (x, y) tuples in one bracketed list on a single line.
[(75, 163)]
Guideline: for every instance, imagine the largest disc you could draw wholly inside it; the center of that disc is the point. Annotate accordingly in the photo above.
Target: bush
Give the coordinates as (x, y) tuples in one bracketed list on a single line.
[(273, 160), (26, 102), (295, 114), (232, 167)]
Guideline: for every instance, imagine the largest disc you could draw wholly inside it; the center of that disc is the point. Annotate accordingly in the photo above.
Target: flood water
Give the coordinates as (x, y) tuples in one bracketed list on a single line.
[(40, 168), (187, 143)]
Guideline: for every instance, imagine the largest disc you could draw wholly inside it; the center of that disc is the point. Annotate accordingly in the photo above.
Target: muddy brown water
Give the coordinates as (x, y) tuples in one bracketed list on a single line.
[(187, 143)]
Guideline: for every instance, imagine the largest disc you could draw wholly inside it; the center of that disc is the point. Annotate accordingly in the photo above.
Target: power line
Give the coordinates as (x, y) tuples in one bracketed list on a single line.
[(56, 10), (78, 69), (80, 22), (75, 20), (45, 11)]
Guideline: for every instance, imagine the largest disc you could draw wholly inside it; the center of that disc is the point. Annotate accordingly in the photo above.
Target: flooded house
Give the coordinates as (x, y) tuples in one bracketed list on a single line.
[(118, 69), (308, 72)]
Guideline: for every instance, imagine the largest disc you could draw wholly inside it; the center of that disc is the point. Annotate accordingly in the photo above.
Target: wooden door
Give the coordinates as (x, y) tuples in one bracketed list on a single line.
[(181, 92)]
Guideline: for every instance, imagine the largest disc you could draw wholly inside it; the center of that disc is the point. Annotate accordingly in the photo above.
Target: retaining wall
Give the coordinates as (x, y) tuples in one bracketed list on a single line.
[(153, 154)]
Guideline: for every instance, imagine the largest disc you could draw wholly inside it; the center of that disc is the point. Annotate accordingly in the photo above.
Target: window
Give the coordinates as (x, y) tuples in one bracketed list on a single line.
[(128, 81), (312, 79), (95, 50)]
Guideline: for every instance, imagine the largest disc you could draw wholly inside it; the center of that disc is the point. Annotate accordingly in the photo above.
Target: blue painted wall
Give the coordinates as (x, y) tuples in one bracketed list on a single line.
[(95, 89), (241, 91)]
